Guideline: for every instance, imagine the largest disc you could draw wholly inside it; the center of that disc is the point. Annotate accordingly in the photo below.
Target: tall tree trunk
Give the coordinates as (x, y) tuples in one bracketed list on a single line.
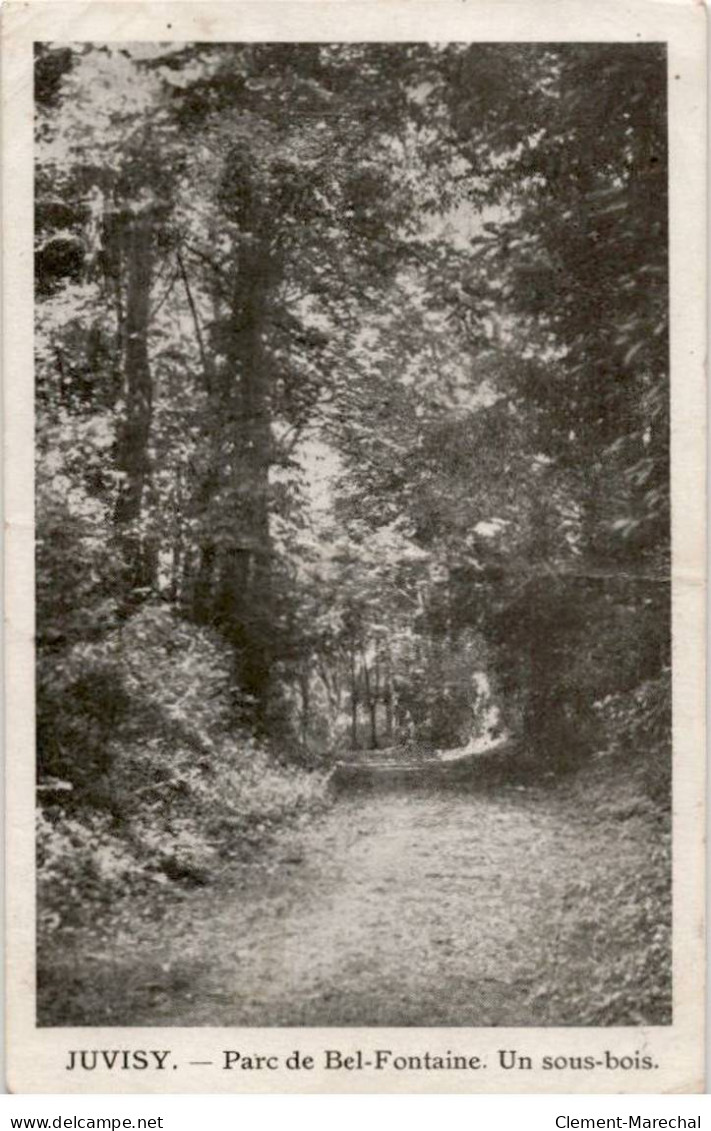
[(305, 688), (132, 448), (373, 709), (389, 695), (176, 578), (245, 599), (200, 585), (372, 705), (545, 706), (354, 702)]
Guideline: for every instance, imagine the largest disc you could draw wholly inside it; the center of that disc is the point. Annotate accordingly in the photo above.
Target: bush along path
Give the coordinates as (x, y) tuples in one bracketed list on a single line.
[(520, 906)]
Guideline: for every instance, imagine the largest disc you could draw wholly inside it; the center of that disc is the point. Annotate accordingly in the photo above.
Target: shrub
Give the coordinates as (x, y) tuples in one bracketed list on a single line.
[(637, 726), (150, 785)]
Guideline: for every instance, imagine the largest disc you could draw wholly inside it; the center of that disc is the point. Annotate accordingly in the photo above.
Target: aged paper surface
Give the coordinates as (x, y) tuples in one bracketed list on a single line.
[(458, 909)]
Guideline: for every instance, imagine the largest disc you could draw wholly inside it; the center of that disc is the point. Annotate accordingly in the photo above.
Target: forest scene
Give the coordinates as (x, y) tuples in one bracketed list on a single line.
[(353, 616)]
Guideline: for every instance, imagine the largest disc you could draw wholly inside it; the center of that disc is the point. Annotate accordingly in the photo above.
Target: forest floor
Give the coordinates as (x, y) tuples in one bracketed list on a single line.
[(515, 906)]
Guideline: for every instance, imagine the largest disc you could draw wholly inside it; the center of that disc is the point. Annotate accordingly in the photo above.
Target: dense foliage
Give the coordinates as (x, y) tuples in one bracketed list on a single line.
[(352, 424)]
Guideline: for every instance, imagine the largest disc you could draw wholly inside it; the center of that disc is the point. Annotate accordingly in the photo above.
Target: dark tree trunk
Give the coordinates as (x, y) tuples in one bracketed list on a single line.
[(354, 703), (202, 585), (176, 578), (372, 705), (547, 618), (245, 598), (389, 708), (373, 711), (305, 688), (132, 447)]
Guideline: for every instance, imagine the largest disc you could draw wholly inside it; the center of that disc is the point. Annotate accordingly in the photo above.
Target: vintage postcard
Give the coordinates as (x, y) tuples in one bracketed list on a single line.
[(355, 506)]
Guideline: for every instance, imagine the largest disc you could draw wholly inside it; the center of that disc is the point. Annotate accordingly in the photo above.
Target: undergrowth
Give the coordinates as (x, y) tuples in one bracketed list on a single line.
[(144, 783), (624, 791)]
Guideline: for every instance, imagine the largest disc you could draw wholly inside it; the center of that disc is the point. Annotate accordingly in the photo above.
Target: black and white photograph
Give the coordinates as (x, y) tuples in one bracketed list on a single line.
[(353, 556), (353, 605), (356, 698)]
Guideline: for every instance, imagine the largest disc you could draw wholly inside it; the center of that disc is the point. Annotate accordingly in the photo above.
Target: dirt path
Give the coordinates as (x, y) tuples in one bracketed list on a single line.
[(486, 909)]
